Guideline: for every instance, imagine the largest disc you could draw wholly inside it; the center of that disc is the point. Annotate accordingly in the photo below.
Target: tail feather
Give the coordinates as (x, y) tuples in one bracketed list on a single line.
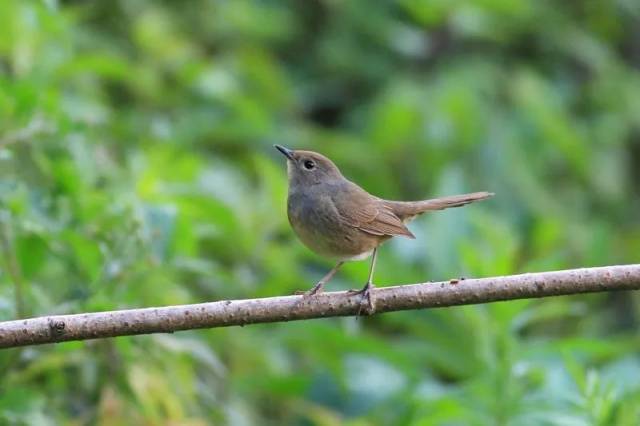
[(407, 209)]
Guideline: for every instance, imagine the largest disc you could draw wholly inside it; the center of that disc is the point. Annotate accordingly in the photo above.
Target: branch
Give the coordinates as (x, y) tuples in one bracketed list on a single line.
[(226, 313)]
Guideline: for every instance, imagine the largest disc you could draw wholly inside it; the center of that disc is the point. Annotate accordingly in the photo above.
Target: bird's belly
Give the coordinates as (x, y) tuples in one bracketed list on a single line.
[(323, 231), (343, 245)]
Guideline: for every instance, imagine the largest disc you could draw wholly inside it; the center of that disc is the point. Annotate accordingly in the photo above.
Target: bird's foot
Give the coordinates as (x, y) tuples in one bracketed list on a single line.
[(367, 301), (316, 289)]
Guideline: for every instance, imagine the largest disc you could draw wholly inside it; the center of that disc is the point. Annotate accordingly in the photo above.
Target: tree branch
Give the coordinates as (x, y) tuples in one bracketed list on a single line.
[(225, 313)]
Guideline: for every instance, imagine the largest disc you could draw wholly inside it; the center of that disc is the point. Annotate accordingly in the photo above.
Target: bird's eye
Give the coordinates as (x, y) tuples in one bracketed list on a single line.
[(309, 165)]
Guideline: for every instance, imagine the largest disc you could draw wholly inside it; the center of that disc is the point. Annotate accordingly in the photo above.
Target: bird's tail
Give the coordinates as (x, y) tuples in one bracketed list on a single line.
[(408, 209)]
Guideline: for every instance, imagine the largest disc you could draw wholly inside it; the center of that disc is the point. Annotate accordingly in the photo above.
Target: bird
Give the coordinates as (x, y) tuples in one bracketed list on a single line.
[(337, 219)]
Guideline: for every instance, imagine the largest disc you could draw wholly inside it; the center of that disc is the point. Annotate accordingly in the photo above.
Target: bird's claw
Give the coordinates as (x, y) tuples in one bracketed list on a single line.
[(367, 301), (316, 289)]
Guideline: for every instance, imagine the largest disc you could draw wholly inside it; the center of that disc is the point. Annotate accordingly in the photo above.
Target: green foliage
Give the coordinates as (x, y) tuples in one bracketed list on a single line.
[(136, 169)]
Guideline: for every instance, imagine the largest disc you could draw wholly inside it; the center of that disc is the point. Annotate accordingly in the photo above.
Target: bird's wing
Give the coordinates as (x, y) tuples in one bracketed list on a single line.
[(367, 213)]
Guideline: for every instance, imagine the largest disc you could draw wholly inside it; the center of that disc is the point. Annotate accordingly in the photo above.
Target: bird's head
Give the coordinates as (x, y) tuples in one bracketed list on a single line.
[(308, 168)]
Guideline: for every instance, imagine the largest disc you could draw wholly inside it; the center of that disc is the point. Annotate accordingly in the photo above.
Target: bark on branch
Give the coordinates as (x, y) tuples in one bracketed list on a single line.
[(60, 328)]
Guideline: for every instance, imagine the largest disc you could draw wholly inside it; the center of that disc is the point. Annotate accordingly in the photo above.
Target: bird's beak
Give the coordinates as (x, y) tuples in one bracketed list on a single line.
[(285, 151)]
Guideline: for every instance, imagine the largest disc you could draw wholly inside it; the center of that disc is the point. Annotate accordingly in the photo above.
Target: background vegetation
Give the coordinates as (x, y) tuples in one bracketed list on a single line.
[(136, 169)]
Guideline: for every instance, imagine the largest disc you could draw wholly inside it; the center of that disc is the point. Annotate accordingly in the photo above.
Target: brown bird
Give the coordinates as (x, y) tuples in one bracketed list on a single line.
[(336, 218)]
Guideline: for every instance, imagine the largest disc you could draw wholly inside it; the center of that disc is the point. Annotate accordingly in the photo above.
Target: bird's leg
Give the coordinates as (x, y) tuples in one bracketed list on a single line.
[(320, 284), (368, 287)]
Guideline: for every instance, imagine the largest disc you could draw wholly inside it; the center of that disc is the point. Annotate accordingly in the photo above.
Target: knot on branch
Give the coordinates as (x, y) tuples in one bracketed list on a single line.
[(56, 327)]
